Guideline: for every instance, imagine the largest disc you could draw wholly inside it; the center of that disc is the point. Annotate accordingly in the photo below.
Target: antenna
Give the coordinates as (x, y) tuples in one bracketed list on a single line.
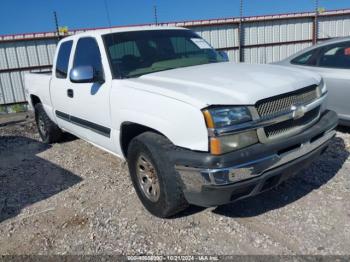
[(155, 14), (107, 13)]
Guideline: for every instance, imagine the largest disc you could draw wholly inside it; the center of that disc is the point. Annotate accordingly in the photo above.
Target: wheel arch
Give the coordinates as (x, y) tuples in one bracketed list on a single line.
[(34, 100), (130, 130)]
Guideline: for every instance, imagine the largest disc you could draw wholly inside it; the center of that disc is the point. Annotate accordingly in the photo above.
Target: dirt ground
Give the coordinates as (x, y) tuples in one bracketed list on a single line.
[(72, 198)]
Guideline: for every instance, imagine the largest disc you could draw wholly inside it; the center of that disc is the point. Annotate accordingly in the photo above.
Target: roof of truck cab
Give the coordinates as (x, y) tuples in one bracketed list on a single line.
[(122, 29)]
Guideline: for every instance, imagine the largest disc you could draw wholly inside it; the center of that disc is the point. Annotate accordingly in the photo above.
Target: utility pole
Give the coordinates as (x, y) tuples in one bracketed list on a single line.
[(315, 26), (155, 14), (240, 33), (56, 24)]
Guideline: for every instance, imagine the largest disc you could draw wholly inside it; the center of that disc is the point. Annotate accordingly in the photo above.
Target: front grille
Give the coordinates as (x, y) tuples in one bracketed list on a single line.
[(282, 103), (291, 124)]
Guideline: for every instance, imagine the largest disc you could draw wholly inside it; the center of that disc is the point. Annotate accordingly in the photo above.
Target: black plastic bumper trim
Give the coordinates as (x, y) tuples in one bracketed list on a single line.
[(220, 195)]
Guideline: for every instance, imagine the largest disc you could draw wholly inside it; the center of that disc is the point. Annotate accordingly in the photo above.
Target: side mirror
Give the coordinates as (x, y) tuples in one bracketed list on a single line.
[(224, 55), (85, 74)]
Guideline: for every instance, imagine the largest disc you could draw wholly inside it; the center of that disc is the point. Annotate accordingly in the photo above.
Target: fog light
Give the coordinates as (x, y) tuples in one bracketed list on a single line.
[(221, 177), (224, 144)]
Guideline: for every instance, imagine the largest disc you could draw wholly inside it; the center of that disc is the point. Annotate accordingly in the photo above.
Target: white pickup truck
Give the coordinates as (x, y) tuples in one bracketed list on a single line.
[(194, 128)]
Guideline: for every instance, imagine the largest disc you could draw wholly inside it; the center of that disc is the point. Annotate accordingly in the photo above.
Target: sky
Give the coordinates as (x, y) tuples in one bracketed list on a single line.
[(22, 16)]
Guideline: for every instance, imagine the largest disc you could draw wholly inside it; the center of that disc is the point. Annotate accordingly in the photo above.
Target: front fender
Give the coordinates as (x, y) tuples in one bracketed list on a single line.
[(182, 123)]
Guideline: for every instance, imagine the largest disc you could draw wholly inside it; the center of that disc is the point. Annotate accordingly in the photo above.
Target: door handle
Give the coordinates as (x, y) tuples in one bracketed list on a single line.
[(70, 93)]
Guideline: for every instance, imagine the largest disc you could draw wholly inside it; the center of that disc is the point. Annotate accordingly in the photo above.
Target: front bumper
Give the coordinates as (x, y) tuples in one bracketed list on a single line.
[(215, 180)]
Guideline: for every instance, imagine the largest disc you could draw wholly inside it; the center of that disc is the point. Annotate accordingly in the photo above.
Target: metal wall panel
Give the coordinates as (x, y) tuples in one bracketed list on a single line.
[(21, 54), (266, 39), (332, 27), (18, 90), (32, 53), (3, 60), (270, 54), (8, 95), (51, 49), (11, 56), (223, 36), (233, 55), (42, 54), (2, 93), (264, 32)]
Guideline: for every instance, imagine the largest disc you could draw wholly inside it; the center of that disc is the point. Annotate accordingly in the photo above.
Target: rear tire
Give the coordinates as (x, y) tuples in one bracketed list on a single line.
[(153, 175), (48, 130)]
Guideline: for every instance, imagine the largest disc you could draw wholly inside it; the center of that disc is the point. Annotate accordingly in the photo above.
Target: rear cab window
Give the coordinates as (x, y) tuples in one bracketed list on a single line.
[(63, 59)]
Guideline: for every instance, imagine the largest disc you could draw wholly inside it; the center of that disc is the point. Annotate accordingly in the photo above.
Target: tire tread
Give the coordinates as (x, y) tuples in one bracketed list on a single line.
[(173, 200), (54, 133)]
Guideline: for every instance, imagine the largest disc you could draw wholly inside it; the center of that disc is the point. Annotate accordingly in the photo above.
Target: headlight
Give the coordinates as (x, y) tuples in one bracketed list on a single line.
[(219, 117), (226, 116)]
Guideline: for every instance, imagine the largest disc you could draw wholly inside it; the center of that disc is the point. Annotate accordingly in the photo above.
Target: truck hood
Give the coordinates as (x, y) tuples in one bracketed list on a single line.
[(224, 83)]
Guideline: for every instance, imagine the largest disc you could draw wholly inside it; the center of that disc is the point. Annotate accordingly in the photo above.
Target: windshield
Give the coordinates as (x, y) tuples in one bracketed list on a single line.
[(132, 54)]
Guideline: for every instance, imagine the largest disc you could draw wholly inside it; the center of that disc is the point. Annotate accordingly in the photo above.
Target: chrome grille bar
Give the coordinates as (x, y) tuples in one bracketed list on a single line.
[(283, 103), (262, 122)]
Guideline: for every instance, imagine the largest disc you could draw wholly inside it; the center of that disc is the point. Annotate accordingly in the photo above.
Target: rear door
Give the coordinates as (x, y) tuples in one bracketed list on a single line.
[(85, 109), (59, 80)]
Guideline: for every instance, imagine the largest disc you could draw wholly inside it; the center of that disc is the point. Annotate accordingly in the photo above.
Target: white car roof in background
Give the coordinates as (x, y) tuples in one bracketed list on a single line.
[(320, 44), (323, 43), (333, 41)]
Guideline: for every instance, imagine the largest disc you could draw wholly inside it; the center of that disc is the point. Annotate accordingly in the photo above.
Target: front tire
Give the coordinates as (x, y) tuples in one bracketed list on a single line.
[(48, 130), (153, 175)]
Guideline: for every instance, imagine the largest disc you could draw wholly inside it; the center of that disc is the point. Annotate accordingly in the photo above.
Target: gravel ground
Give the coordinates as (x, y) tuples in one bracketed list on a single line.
[(72, 198)]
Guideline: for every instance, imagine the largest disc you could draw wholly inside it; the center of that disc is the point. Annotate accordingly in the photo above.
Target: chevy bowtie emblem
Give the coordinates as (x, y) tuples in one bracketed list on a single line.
[(298, 111)]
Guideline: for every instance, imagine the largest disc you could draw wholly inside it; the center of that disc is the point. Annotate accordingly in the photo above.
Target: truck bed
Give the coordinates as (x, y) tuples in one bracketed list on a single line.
[(38, 84)]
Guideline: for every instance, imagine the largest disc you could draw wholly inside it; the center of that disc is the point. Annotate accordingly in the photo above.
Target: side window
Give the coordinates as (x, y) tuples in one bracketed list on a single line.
[(308, 58), (87, 53), (63, 59), (336, 56)]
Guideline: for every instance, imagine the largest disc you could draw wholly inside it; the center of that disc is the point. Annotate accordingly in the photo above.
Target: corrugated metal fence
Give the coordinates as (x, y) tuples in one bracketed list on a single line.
[(263, 39)]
